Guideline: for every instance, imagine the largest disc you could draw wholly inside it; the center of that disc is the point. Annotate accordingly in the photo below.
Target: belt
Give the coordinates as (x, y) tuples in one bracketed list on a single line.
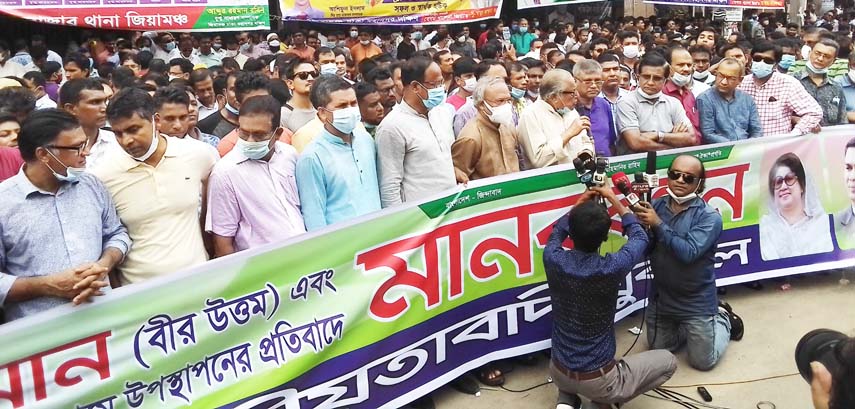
[(585, 376)]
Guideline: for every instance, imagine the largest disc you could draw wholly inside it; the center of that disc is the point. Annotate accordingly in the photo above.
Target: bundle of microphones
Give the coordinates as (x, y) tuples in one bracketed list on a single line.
[(592, 172)]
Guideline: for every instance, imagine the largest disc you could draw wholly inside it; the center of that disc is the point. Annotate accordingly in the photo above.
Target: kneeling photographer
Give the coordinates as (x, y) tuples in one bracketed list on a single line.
[(826, 360), (584, 288)]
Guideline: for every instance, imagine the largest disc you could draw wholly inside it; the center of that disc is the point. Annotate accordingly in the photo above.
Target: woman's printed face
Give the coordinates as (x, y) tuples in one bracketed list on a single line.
[(787, 196)]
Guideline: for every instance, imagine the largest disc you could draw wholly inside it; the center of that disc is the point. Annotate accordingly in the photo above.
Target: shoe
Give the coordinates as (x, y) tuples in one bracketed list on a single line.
[(737, 327), (568, 401), (466, 384), (425, 402)]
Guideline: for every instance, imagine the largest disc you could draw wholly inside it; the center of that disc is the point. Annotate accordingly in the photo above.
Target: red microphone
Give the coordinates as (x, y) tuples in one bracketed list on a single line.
[(623, 185)]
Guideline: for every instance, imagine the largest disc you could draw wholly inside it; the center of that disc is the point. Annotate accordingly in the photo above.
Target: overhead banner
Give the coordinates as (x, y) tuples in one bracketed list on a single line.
[(377, 312), (390, 12), (145, 15), (753, 4), (530, 4)]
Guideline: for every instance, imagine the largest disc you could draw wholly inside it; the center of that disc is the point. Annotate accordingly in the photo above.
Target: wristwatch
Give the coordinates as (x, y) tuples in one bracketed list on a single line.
[(661, 136)]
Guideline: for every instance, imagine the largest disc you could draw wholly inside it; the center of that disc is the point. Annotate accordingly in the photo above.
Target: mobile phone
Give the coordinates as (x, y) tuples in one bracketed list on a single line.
[(705, 395)]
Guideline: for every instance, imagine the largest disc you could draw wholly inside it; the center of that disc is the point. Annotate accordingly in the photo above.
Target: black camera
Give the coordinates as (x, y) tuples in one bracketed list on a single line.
[(822, 345), (591, 170)]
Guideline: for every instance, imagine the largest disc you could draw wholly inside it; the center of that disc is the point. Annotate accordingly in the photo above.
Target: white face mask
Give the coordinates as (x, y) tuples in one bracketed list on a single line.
[(365, 42), (155, 139), (329, 68), (681, 80), (680, 199), (502, 114), (805, 52), (631, 51), (469, 86)]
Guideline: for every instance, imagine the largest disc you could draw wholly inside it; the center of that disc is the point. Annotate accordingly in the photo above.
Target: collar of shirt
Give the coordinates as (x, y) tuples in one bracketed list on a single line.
[(405, 107), (335, 140), (671, 87), (643, 100), (127, 162), (26, 187), (805, 78)]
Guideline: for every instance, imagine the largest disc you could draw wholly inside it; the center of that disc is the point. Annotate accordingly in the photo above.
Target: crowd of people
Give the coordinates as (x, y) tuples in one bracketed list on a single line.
[(147, 154)]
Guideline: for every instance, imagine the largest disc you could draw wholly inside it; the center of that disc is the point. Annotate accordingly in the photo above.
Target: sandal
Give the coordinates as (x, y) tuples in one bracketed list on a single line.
[(489, 375)]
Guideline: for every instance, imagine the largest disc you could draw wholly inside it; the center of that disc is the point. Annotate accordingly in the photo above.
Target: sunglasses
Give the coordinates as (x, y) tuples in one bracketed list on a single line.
[(687, 177), (305, 75), (790, 179), (767, 60)]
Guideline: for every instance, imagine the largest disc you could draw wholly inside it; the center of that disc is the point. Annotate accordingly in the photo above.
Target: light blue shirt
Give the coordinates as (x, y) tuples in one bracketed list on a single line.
[(337, 181), (42, 233), (726, 121), (848, 92)]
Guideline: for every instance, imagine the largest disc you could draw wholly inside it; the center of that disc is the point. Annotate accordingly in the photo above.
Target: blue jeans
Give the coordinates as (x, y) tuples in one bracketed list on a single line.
[(705, 337)]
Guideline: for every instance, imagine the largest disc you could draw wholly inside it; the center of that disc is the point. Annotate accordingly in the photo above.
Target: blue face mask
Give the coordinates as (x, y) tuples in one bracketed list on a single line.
[(523, 30), (436, 96), (761, 69), (71, 174), (417, 35), (787, 61), (514, 27), (169, 46), (253, 150), (232, 109), (244, 47), (517, 93), (345, 119)]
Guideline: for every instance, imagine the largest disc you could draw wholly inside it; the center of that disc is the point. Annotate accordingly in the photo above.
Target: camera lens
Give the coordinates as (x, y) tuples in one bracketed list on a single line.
[(818, 345)]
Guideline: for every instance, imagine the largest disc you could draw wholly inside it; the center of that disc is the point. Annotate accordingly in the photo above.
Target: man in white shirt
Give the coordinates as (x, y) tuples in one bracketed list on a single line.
[(86, 100), (9, 68), (36, 83), (413, 162)]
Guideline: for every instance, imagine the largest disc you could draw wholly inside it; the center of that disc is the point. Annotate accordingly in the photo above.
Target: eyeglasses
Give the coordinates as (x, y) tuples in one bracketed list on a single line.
[(651, 78), (763, 58), (790, 179), (305, 75), (598, 83), (687, 177), (573, 94), (79, 149)]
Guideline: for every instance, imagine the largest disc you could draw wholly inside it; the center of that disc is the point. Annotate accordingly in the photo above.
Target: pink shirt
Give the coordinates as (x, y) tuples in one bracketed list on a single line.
[(456, 101), (10, 162), (256, 202)]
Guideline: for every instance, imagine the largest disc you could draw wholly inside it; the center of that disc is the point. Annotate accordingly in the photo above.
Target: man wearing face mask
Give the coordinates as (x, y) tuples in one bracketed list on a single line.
[(462, 45), (208, 54), (551, 131), (684, 309), (649, 120), (789, 48), (518, 81), (248, 46), (778, 96), (683, 87), (701, 57), (847, 82), (156, 182), (522, 38), (337, 172), (828, 94), (464, 79), (66, 255), (365, 48), (629, 47), (487, 146), (413, 162), (253, 192)]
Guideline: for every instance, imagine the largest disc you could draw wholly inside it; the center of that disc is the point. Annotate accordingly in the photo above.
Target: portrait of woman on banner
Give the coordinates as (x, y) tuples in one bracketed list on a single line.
[(796, 223)]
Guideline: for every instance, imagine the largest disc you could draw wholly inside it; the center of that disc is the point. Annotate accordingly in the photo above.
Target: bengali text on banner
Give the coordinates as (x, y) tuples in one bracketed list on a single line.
[(145, 15), (374, 313), (754, 4), (390, 12)]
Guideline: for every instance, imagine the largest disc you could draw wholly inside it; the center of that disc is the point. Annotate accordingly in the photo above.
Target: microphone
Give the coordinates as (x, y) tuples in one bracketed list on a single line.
[(640, 187), (623, 185), (650, 175)]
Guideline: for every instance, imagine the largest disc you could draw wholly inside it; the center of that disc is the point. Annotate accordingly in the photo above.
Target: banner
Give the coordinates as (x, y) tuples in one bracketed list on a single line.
[(753, 4), (390, 12), (145, 15), (377, 312), (530, 4)]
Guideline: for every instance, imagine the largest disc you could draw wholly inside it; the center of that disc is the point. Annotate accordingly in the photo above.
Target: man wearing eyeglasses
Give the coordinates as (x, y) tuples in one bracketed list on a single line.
[(827, 93), (779, 97), (649, 120), (589, 75), (253, 196), (727, 114), (70, 237), (683, 307)]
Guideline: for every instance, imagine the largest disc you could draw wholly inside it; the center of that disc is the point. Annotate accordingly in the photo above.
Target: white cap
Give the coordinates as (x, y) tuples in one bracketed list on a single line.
[(272, 35)]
